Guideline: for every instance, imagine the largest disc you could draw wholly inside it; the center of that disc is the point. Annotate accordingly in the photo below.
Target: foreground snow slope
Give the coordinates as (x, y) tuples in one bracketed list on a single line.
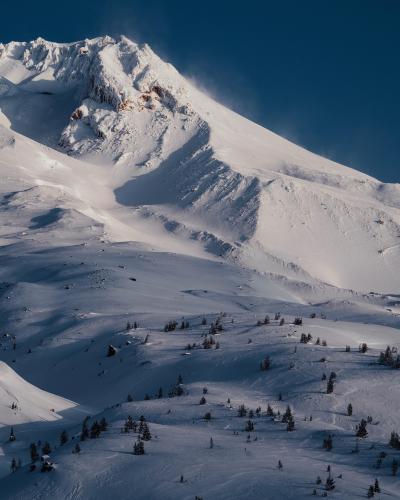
[(202, 171)]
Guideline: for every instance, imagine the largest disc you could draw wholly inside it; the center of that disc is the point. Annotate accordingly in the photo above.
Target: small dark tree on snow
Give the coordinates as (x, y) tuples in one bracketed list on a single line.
[(135, 325), (277, 316), (287, 415), (265, 364), (14, 465), (290, 424), (46, 449), (95, 430), (207, 416), (318, 341), (363, 348), (204, 321), (267, 320), (103, 425), (63, 437), (298, 321), (394, 441), (347, 348), (34, 453), (370, 492), (395, 467), (202, 401), (349, 410), (327, 443), (280, 466), (160, 393), (12, 435), (146, 435), (85, 431), (242, 411), (330, 483), (323, 376), (138, 448), (361, 429), (77, 449), (270, 411), (282, 322), (330, 384), (129, 398), (249, 426), (377, 488)]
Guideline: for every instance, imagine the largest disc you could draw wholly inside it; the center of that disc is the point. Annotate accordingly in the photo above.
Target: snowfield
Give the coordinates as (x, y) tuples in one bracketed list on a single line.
[(146, 232)]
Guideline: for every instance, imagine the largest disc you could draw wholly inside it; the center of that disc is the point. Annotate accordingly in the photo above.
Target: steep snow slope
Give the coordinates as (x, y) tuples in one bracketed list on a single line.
[(200, 170), (32, 404)]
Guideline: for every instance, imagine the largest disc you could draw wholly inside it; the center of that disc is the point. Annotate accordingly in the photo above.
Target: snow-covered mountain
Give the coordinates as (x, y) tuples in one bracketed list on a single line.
[(201, 171), (129, 200)]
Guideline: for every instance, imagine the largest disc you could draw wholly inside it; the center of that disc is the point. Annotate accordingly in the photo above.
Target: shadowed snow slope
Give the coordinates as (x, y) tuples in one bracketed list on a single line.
[(197, 169)]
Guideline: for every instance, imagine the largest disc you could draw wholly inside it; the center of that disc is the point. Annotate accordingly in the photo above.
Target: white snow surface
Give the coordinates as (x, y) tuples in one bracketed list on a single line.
[(127, 195)]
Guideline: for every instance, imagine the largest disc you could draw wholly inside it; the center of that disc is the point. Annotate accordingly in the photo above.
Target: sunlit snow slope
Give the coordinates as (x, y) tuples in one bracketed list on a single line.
[(201, 171)]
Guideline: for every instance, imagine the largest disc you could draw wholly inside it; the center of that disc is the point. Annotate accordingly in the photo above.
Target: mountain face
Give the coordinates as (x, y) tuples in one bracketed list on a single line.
[(192, 168)]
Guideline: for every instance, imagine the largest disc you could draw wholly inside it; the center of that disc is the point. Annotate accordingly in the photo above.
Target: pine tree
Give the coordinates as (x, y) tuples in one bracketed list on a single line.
[(46, 449), (329, 484), (328, 443), (63, 437), (95, 430), (129, 398), (280, 466), (270, 411), (211, 443), (377, 488), (394, 441), (202, 401), (13, 465), (395, 467), (34, 453), (361, 429), (138, 448), (12, 435), (146, 436), (85, 430), (349, 410), (103, 425), (77, 449), (329, 386), (207, 416), (370, 492), (249, 426), (242, 411), (287, 415), (290, 424)]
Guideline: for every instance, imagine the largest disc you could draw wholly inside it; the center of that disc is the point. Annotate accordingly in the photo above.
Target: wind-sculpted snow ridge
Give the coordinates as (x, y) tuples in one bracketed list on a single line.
[(202, 172)]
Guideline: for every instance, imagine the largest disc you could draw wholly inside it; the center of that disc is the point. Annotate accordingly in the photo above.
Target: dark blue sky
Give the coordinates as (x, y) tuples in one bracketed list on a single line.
[(324, 74)]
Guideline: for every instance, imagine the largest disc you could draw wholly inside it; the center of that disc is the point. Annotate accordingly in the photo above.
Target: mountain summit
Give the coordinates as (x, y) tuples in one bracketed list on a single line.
[(188, 165)]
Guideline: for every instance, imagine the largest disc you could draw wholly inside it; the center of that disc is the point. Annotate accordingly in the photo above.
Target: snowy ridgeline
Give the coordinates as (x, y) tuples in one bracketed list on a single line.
[(133, 210)]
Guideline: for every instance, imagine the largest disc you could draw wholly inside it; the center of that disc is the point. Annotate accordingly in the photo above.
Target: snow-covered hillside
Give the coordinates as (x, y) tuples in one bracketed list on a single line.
[(203, 172), (129, 200)]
